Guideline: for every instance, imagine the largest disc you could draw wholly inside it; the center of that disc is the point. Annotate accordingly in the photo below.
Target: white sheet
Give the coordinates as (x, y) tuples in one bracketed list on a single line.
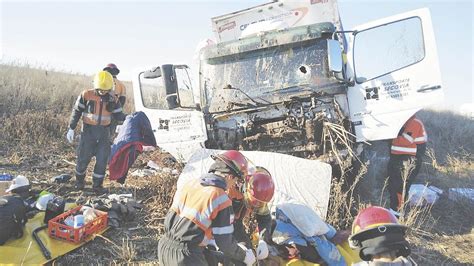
[(302, 180)]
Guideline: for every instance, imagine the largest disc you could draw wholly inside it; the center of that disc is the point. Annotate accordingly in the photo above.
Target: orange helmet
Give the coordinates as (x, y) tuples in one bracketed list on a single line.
[(235, 160), (376, 230), (259, 188)]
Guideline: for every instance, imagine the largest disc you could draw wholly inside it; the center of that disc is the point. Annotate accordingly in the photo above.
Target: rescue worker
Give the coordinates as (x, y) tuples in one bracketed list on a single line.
[(405, 161), (201, 212), (119, 90), (97, 107), (379, 238), (252, 195)]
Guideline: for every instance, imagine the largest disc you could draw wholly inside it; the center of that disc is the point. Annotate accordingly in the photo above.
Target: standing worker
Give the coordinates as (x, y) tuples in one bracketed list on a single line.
[(201, 212), (406, 154), (119, 90), (97, 107)]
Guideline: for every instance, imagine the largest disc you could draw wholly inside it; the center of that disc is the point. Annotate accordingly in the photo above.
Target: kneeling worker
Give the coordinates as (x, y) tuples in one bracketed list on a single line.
[(97, 107), (202, 211)]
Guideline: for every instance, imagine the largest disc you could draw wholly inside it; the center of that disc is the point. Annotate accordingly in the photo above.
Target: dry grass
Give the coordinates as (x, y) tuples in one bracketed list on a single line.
[(35, 106)]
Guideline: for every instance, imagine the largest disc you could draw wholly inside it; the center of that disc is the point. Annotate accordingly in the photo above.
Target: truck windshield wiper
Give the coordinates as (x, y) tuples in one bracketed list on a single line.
[(229, 87)]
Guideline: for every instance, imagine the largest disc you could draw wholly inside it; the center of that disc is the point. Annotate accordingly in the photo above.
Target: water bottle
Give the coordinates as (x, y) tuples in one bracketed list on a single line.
[(78, 221)]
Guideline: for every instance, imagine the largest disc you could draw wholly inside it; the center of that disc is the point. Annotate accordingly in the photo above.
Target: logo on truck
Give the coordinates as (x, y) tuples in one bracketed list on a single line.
[(227, 26)]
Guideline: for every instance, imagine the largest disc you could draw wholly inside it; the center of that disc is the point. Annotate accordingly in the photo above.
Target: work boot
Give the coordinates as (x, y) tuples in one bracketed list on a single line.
[(80, 183), (97, 186)]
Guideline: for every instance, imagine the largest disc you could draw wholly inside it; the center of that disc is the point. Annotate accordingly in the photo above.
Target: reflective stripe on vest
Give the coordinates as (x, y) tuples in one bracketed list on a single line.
[(200, 204), (403, 150)]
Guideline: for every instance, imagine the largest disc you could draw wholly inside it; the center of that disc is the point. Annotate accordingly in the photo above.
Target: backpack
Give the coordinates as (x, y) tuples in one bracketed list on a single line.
[(12, 218)]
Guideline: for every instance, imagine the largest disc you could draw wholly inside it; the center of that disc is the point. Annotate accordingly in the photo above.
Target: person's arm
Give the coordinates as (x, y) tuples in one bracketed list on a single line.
[(264, 222), (222, 230), (121, 90), (79, 107)]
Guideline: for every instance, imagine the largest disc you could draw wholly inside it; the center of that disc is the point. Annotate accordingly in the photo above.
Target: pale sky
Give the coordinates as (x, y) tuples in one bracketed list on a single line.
[(83, 36)]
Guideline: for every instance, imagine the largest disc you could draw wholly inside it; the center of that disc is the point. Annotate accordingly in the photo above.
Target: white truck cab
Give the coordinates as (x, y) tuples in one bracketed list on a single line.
[(284, 78)]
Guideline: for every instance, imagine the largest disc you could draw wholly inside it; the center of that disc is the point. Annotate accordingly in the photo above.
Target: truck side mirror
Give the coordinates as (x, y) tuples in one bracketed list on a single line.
[(153, 73), (334, 56)]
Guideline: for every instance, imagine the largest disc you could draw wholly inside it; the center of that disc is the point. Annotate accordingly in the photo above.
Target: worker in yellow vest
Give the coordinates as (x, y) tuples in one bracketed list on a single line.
[(97, 106)]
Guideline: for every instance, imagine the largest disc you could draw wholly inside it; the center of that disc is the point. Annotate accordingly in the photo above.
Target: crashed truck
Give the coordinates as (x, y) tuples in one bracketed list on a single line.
[(285, 77)]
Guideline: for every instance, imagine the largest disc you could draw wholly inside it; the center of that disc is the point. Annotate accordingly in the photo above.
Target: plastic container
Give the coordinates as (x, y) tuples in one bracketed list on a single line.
[(78, 221), (57, 229)]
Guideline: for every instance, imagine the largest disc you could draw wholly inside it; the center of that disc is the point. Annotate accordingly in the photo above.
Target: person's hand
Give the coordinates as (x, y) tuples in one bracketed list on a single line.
[(70, 135), (249, 257), (340, 237), (262, 250)]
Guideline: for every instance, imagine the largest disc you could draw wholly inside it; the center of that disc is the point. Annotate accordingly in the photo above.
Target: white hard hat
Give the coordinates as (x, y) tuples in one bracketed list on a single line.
[(17, 182), (42, 201)]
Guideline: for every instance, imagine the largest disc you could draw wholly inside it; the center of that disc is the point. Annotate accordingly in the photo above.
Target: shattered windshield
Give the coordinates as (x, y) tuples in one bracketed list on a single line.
[(262, 74)]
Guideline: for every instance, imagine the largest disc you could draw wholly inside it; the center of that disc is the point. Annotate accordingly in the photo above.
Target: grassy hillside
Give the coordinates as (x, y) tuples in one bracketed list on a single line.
[(35, 106)]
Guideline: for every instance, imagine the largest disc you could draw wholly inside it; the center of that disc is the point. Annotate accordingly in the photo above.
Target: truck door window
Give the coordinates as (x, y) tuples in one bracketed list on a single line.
[(383, 49), (185, 91), (153, 92)]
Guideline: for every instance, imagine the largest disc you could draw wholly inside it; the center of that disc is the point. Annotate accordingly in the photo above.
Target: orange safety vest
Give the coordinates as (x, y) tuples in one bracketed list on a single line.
[(119, 87), (413, 133), (95, 109), (201, 205)]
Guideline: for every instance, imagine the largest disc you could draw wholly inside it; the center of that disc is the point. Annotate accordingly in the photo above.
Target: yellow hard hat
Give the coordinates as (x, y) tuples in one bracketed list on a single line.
[(103, 80)]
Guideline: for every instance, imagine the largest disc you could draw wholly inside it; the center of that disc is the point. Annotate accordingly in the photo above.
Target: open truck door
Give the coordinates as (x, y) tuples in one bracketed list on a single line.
[(164, 93), (395, 73)]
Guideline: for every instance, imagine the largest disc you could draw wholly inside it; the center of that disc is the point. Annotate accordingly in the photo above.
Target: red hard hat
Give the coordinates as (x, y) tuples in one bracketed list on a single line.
[(112, 69), (259, 188), (235, 161), (373, 217), (376, 230)]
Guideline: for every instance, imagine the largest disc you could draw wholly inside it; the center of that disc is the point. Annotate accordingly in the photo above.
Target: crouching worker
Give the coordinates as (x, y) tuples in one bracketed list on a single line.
[(97, 107), (379, 238), (250, 196), (201, 212), (13, 209)]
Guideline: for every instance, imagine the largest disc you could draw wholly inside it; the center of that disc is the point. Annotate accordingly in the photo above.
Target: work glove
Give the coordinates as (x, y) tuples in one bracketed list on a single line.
[(262, 250), (70, 135), (249, 257)]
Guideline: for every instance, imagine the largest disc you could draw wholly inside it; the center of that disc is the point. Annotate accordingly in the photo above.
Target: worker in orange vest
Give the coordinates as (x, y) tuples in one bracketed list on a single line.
[(201, 213), (97, 106), (406, 154), (119, 89)]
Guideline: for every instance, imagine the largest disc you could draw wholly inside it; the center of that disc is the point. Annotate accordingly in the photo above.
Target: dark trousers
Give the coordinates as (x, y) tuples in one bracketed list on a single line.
[(94, 142), (172, 253), (402, 170)]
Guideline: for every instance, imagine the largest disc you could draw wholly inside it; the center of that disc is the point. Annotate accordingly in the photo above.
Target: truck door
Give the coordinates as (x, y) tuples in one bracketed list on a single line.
[(395, 72), (165, 95)]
